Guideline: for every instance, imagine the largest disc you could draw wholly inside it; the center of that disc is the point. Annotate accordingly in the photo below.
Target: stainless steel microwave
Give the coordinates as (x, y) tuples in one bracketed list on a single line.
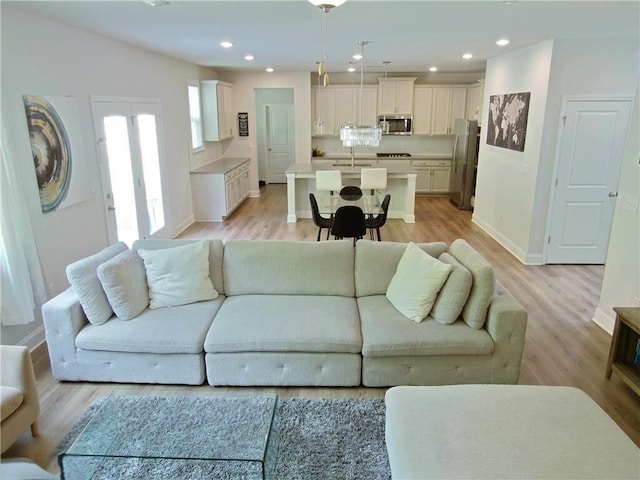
[(396, 124)]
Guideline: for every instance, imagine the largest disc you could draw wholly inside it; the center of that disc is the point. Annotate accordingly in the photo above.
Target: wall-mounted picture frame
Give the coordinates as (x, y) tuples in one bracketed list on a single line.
[(507, 122), (56, 143)]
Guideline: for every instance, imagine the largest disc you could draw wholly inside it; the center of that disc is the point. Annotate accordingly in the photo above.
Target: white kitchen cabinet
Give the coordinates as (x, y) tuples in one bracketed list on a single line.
[(433, 176), (217, 110), (449, 103), (219, 188), (325, 110), (369, 104), (422, 109), (339, 105), (395, 96), (475, 97)]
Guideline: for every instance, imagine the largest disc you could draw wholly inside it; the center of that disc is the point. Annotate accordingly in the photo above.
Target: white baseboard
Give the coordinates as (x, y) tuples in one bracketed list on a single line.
[(526, 259), (34, 339), (184, 225), (604, 320)]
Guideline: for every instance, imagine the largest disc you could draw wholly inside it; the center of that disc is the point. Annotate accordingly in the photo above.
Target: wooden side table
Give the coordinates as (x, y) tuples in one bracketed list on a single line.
[(624, 344)]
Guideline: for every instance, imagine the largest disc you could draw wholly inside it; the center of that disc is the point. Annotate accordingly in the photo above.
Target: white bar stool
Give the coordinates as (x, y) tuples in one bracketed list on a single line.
[(329, 180), (373, 179)]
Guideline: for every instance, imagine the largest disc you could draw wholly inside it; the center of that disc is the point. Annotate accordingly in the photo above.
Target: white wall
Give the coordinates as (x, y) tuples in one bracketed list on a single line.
[(621, 283), (513, 189), (44, 57), (578, 67), (244, 85), (506, 179)]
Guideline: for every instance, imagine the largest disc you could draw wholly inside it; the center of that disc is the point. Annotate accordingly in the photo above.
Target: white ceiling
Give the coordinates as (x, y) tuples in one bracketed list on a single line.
[(285, 35)]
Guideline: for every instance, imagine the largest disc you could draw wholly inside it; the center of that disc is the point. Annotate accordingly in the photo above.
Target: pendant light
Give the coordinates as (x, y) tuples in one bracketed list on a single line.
[(326, 7), (360, 135)]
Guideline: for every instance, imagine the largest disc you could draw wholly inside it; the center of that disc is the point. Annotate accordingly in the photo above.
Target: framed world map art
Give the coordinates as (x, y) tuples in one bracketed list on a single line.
[(507, 123), (58, 153)]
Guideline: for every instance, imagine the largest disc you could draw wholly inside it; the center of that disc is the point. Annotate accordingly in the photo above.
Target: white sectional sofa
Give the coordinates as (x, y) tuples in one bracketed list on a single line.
[(296, 313)]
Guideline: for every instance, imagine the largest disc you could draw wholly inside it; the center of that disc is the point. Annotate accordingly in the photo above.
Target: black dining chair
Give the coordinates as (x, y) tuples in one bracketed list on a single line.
[(320, 221), (351, 192), (375, 223), (348, 222)]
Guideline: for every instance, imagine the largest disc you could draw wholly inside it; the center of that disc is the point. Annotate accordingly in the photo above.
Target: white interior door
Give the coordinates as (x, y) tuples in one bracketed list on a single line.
[(591, 147), (280, 142), (128, 135)]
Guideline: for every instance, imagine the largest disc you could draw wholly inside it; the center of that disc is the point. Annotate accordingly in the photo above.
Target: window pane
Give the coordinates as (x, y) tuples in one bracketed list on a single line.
[(151, 171), (116, 132), (196, 119)]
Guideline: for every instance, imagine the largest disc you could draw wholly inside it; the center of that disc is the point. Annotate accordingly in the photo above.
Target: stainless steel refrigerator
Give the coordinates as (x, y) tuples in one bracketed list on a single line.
[(464, 163)]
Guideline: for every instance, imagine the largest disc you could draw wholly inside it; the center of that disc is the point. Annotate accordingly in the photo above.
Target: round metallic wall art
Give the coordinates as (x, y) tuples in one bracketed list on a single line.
[(51, 151)]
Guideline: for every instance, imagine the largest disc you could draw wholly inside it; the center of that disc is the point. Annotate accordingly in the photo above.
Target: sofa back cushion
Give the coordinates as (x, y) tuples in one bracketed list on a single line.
[(216, 250), (474, 312), (376, 263), (83, 277), (284, 267)]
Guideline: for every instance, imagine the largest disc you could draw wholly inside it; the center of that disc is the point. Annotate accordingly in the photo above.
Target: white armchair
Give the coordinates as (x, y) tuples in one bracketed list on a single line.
[(19, 403)]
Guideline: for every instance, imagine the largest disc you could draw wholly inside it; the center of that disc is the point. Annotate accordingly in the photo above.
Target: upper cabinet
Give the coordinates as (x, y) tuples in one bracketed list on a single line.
[(395, 96), (449, 103), (339, 105), (422, 109), (475, 97), (217, 110), (323, 111)]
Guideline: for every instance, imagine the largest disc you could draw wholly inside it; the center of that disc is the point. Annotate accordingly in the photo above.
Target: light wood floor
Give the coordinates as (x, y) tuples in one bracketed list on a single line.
[(563, 346)]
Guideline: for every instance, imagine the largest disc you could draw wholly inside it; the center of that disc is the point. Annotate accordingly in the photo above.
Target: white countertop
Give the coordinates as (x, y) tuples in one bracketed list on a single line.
[(308, 170), (222, 165), (425, 156)]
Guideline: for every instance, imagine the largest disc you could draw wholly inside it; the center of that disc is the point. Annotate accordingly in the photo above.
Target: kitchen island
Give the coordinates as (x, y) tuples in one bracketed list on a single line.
[(301, 180)]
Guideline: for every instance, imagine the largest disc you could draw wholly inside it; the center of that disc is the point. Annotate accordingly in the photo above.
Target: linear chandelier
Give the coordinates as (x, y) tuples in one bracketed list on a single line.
[(360, 135)]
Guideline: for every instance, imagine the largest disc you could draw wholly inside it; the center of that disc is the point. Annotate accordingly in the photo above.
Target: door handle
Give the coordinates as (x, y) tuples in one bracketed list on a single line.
[(111, 208), (613, 194)]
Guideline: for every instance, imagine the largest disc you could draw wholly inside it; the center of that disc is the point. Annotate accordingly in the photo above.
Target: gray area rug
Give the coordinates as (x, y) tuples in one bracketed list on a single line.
[(319, 439)]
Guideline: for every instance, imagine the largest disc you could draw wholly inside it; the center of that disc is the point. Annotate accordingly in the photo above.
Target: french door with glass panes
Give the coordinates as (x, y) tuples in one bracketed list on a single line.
[(129, 137)]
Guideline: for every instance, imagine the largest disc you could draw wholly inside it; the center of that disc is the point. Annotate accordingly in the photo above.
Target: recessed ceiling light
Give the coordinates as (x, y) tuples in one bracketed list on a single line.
[(351, 69), (467, 56), (157, 3), (433, 69), (502, 42), (269, 69), (357, 56), (248, 58), (226, 44)]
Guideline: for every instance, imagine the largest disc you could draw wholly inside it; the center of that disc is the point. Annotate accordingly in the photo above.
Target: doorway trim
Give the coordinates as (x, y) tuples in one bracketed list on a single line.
[(558, 148)]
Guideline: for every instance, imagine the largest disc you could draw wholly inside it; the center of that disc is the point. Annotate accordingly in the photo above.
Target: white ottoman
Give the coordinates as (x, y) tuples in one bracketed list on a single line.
[(504, 431)]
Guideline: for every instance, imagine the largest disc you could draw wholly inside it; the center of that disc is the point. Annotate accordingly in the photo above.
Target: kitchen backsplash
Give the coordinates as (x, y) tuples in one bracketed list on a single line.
[(413, 144)]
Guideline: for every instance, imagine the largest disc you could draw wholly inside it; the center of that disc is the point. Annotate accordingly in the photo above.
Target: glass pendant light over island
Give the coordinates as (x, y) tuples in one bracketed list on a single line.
[(360, 135)]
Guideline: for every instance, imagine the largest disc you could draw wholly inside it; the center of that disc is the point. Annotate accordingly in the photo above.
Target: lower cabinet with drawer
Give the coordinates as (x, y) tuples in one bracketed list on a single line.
[(217, 194), (433, 176)]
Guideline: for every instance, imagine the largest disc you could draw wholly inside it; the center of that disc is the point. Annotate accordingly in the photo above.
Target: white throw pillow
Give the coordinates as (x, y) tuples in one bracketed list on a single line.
[(124, 280), (454, 293), (83, 277), (416, 283), (178, 275)]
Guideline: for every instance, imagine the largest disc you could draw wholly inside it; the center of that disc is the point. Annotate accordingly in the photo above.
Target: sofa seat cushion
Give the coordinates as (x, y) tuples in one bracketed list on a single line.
[(285, 323), (387, 333), (180, 329), (10, 400)]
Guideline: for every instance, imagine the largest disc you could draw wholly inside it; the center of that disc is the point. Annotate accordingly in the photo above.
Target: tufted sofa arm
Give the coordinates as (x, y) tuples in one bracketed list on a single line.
[(63, 319), (507, 323)]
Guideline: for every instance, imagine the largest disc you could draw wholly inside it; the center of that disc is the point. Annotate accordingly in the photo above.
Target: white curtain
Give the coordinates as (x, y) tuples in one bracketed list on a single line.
[(21, 281)]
